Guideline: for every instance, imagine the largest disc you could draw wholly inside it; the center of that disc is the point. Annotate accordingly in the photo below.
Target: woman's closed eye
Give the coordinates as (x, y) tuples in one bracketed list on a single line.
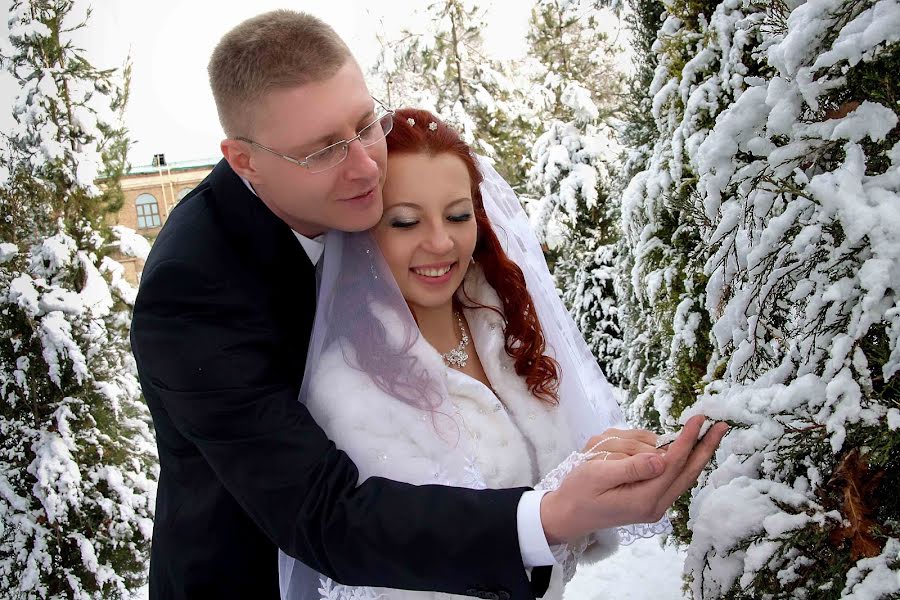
[(401, 224), (407, 223)]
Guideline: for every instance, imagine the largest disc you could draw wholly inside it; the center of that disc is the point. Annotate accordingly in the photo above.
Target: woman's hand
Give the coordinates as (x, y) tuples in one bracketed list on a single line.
[(614, 444)]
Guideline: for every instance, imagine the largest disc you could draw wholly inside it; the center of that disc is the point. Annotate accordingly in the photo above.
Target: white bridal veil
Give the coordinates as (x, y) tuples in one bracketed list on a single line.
[(354, 279)]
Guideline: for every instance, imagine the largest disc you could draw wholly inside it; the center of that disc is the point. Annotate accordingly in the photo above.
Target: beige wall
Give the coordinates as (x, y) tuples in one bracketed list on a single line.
[(167, 186)]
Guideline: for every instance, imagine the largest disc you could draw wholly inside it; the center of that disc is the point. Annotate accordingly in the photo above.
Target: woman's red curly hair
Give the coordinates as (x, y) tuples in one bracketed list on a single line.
[(524, 338)]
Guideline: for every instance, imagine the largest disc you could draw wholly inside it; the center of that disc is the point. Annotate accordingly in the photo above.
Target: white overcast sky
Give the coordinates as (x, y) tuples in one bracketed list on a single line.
[(170, 41)]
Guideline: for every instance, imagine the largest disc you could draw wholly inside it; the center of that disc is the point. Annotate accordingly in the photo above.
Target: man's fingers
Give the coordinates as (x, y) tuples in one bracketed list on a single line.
[(631, 469), (700, 456), (677, 455), (679, 451)]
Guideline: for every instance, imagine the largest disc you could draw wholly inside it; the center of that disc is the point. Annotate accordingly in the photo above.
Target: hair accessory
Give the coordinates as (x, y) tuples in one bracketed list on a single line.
[(411, 121), (432, 126)]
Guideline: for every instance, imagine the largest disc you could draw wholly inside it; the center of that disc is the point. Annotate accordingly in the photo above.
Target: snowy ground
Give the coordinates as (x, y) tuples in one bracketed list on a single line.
[(643, 570)]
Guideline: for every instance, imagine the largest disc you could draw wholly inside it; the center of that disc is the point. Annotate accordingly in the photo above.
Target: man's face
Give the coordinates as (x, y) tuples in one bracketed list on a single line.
[(299, 121)]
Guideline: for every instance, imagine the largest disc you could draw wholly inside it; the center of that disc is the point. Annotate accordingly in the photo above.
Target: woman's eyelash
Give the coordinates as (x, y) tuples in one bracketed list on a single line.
[(454, 219), (403, 224)]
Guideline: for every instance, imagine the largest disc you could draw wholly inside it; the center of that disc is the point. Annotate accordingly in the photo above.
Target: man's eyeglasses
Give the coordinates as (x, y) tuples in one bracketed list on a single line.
[(333, 155)]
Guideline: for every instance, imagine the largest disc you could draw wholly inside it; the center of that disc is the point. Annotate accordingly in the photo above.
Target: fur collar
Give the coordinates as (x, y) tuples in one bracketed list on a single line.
[(388, 437)]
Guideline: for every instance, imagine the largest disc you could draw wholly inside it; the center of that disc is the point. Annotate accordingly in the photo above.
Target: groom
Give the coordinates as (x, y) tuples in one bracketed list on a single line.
[(220, 331)]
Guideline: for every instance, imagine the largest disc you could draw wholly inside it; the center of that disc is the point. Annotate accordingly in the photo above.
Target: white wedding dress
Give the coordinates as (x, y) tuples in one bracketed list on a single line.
[(511, 439)]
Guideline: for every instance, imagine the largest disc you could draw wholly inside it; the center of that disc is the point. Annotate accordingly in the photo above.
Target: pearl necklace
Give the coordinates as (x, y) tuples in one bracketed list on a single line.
[(458, 357)]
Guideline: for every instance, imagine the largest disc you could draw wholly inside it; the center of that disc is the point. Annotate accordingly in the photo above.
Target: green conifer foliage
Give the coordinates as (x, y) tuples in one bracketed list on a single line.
[(77, 458), (446, 70), (761, 235), (576, 94)]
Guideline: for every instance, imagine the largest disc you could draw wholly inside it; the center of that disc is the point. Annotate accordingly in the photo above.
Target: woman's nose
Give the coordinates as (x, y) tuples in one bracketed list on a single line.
[(438, 240)]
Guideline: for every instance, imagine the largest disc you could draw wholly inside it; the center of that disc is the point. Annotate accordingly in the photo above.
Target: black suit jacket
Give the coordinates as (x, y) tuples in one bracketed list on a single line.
[(220, 330)]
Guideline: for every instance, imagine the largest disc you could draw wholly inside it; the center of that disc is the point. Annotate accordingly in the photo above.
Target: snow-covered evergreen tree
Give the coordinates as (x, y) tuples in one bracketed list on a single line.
[(576, 93), (638, 134), (665, 324), (639, 128), (767, 217), (446, 70), (574, 57), (77, 458)]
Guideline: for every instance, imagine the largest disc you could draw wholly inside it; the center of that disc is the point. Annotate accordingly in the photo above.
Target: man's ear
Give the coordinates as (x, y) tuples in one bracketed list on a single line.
[(237, 153)]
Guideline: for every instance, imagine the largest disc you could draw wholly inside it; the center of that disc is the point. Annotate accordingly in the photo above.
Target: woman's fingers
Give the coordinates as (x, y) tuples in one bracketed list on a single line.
[(645, 437), (630, 442), (604, 455), (624, 443)]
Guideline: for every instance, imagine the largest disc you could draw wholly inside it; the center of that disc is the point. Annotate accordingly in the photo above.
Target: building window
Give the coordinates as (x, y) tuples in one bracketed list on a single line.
[(182, 193), (147, 211)]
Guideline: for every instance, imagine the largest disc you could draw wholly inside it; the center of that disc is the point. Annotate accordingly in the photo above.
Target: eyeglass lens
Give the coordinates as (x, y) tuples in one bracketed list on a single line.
[(334, 155)]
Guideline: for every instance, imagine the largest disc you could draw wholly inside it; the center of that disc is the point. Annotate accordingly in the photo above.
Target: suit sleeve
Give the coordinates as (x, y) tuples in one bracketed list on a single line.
[(208, 356)]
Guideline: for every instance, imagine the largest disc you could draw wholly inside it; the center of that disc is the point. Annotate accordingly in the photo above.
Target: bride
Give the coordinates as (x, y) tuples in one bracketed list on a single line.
[(441, 353)]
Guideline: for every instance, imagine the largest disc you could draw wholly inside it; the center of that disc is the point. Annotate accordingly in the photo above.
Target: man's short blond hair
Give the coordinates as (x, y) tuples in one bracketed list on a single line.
[(277, 49)]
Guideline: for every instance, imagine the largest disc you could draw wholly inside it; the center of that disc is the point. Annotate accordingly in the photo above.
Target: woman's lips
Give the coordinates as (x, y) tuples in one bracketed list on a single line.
[(434, 274)]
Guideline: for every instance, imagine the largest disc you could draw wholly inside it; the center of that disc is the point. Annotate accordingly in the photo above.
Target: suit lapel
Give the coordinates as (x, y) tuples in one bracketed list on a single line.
[(257, 232), (270, 250)]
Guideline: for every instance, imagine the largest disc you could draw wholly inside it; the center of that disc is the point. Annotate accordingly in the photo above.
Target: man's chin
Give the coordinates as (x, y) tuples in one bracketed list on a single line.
[(367, 225), (360, 223), (361, 220)]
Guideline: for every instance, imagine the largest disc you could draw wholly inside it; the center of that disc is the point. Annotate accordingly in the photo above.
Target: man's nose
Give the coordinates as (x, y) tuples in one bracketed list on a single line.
[(359, 163)]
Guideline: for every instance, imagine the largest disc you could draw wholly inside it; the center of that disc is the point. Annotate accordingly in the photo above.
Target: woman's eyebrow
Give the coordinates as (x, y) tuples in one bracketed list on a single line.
[(406, 204), (419, 206)]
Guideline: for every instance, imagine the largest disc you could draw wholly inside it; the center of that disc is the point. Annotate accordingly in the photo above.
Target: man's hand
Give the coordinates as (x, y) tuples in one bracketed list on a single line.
[(637, 489)]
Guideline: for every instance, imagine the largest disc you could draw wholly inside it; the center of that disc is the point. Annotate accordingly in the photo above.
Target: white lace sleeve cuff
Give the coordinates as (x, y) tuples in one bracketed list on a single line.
[(569, 555), (554, 478)]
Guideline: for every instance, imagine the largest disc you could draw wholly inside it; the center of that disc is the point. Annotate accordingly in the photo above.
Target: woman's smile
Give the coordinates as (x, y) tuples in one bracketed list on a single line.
[(435, 274)]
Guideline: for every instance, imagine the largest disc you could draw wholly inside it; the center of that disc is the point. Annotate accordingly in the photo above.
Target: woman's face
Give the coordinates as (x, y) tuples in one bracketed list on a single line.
[(428, 231)]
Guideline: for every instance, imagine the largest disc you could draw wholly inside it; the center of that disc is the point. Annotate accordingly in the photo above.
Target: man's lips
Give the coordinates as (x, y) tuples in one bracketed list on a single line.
[(361, 196)]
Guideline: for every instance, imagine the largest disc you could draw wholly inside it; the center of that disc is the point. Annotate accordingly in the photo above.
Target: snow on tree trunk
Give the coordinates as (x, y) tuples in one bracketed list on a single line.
[(765, 232), (77, 456)]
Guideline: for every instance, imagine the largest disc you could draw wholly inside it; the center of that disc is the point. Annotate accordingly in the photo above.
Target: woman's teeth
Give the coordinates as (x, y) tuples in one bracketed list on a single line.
[(432, 272)]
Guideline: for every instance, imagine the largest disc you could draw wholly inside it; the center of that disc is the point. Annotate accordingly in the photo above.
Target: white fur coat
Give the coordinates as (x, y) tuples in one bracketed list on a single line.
[(510, 439)]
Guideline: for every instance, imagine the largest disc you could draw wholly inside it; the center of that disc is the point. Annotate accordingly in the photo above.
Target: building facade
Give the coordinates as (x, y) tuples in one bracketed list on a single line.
[(151, 192)]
